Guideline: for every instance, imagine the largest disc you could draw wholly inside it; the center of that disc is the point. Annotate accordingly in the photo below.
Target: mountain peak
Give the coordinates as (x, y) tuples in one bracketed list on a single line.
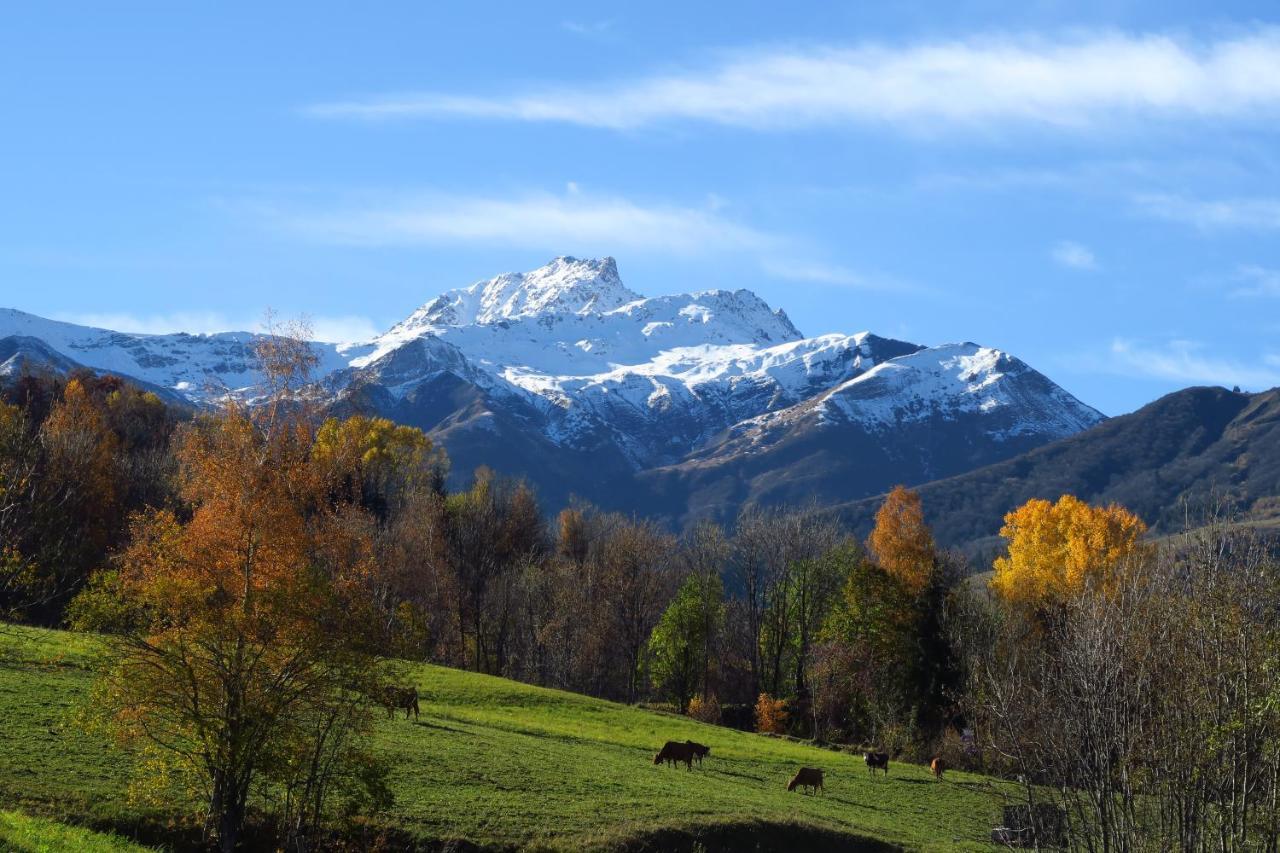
[(566, 285)]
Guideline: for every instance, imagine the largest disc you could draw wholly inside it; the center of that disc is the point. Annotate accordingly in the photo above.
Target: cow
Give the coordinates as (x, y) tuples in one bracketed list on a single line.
[(674, 751), (699, 751), (937, 767), (395, 698), (806, 777), (876, 761)]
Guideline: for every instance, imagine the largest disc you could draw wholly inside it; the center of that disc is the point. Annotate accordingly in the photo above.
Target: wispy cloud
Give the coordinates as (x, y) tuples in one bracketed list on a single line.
[(830, 275), (1188, 362), (1259, 213), (1074, 256), (1257, 281), (587, 29), (339, 328), (574, 221), (1080, 80)]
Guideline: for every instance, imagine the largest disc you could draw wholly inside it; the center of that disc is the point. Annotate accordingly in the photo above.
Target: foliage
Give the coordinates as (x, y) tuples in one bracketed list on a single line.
[(1056, 550), (771, 715), (248, 660), (705, 710), (376, 462), (76, 457), (901, 543), (1143, 706), (862, 674), (682, 636)]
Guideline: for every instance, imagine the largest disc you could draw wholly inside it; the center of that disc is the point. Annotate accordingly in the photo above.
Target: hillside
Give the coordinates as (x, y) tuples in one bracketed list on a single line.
[(1185, 449), (504, 765)]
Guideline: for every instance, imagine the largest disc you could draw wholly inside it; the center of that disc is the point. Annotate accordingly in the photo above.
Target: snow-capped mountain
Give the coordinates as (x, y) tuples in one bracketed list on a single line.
[(194, 367), (565, 375)]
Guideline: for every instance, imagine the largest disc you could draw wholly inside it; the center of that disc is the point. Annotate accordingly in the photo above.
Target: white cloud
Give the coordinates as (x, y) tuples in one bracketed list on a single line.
[(1259, 281), (573, 222), (825, 274), (339, 328), (343, 328), (1079, 80), (1186, 362), (588, 29), (1249, 213), (1074, 256)]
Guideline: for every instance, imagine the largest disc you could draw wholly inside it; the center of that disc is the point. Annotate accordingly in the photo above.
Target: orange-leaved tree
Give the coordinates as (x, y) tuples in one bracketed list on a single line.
[(901, 543), (1056, 550), (248, 657)]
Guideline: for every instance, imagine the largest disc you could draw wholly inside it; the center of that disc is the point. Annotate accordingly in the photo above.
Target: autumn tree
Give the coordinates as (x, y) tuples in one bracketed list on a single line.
[(1055, 550), (250, 640), (377, 463), (77, 455), (901, 543)]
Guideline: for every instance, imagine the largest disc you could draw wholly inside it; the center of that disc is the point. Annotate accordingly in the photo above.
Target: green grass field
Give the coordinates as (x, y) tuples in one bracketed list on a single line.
[(505, 765), (21, 833)]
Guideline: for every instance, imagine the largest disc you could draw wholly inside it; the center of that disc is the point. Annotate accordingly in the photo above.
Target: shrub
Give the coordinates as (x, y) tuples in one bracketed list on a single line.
[(705, 710), (771, 715)]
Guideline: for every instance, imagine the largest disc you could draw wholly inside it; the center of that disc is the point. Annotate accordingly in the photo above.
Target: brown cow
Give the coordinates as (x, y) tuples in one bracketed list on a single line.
[(807, 777), (699, 751), (876, 761), (938, 767), (395, 698), (674, 751)]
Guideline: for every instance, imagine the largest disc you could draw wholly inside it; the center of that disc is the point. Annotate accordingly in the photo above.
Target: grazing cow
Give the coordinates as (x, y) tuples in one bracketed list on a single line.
[(699, 751), (674, 751), (938, 767), (806, 777), (400, 697), (876, 761)]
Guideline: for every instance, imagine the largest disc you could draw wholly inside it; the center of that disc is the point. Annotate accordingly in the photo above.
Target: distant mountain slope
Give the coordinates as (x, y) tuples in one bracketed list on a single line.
[(1189, 445), (912, 419), (192, 367), (682, 406)]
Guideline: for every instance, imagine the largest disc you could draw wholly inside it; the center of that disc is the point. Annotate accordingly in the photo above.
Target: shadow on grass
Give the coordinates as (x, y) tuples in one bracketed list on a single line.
[(765, 837), (759, 836), (429, 725)]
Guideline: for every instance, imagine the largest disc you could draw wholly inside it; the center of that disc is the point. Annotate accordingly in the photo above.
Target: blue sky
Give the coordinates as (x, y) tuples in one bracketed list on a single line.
[(1094, 187)]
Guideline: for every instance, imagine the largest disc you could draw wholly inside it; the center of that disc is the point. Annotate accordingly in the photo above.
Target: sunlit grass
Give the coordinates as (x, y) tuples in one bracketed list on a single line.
[(501, 763), (20, 833)]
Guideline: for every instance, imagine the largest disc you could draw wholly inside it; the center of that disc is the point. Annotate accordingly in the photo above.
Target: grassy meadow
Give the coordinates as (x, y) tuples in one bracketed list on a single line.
[(496, 764)]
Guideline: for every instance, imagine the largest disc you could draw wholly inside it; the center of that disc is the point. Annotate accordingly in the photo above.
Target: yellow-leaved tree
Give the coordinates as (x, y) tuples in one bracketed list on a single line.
[(1058, 549), (901, 542)]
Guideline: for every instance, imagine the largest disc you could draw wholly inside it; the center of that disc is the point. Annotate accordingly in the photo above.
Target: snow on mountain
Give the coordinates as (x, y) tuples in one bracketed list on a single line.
[(196, 367), (589, 363), (953, 380), (564, 286), (652, 375)]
